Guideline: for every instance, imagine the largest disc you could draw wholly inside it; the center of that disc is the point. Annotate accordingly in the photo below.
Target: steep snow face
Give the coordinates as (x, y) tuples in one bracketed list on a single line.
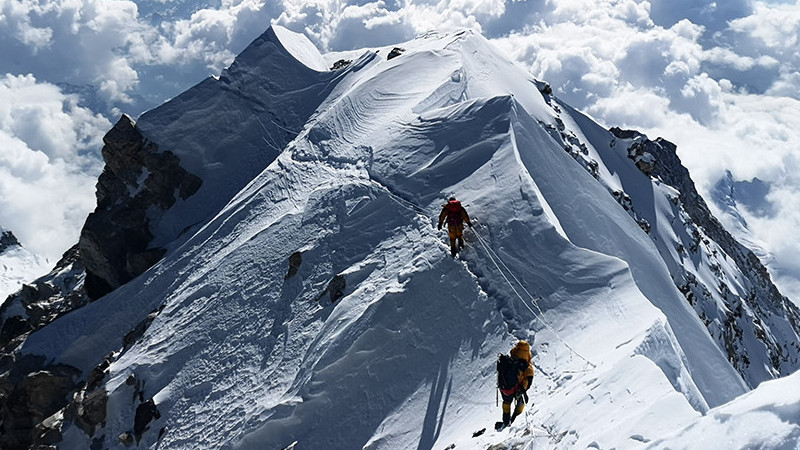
[(729, 289), (300, 48), (763, 418), (227, 129), (17, 265), (320, 305), (598, 223)]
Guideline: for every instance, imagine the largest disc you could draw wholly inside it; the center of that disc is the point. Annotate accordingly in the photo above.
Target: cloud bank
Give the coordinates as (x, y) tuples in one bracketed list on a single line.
[(48, 151), (720, 79)]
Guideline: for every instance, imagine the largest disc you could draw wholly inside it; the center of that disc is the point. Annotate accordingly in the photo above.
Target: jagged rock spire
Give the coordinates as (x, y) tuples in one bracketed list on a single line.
[(7, 240)]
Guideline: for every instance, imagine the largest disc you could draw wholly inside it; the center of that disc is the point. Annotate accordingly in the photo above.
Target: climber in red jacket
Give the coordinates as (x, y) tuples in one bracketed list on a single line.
[(456, 215)]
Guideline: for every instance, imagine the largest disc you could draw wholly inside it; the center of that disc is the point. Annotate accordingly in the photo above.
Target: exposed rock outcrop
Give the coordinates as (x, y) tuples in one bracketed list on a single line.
[(28, 396), (146, 412), (138, 331), (335, 288), (395, 52), (87, 410), (642, 149), (31, 390), (41, 302), (341, 64), (138, 182), (77, 403), (294, 264), (7, 240), (758, 312)]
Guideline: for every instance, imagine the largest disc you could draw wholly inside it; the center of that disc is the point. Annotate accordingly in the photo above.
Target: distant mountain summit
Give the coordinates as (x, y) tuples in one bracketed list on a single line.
[(17, 265), (263, 270), (7, 240)]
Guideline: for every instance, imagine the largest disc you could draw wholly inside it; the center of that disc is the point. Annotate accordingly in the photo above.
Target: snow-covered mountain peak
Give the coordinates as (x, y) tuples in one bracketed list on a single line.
[(299, 47), (305, 297), (7, 240), (17, 264)]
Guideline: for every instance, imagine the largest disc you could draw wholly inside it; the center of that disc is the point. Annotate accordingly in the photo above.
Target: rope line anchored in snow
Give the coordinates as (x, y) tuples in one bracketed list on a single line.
[(406, 203), (494, 257), (284, 128)]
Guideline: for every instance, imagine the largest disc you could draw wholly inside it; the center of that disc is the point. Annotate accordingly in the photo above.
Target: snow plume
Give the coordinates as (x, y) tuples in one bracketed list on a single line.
[(48, 166)]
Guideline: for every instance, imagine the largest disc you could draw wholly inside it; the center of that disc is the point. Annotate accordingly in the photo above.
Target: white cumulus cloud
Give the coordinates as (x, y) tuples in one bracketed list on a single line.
[(47, 166)]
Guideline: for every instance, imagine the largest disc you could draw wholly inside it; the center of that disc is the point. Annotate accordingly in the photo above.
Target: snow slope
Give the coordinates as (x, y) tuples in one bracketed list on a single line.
[(17, 266), (763, 418), (243, 353), (227, 129)]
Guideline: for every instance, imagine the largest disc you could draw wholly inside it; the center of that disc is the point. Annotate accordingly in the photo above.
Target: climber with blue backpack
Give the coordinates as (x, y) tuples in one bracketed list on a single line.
[(456, 215), (514, 378)]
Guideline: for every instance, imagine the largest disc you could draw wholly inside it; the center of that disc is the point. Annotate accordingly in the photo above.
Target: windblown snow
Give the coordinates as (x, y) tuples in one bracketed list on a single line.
[(379, 339)]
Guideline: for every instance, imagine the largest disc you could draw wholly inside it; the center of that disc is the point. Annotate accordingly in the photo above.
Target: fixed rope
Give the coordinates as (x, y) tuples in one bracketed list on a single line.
[(494, 257), (271, 144), (284, 128)]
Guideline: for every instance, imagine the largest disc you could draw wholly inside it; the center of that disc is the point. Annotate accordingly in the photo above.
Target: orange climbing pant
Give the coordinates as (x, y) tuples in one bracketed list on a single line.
[(455, 231)]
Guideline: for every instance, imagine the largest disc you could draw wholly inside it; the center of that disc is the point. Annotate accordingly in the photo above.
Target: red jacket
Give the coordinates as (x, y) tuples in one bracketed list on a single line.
[(454, 213)]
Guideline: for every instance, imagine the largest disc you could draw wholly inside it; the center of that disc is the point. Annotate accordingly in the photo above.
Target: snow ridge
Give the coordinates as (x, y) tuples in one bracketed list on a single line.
[(311, 301)]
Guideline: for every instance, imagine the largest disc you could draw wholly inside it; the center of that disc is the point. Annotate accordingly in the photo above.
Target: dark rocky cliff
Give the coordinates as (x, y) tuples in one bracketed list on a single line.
[(137, 183), (145, 179)]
